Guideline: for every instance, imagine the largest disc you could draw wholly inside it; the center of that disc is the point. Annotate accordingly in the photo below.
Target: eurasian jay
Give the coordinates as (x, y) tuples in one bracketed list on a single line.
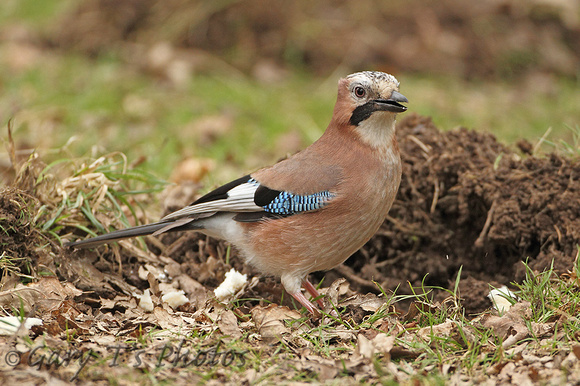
[(313, 210)]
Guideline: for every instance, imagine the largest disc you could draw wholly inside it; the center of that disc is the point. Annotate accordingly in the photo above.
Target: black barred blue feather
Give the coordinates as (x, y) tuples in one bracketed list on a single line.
[(285, 203)]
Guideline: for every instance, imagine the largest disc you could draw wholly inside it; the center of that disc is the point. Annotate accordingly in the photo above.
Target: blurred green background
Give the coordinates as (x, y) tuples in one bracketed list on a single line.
[(244, 83)]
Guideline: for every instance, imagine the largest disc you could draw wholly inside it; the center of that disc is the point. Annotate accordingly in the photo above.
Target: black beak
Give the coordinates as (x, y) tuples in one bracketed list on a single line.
[(393, 104)]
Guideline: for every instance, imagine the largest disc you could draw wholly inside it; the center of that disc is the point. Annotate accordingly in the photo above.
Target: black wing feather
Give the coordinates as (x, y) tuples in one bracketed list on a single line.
[(265, 195), (221, 193)]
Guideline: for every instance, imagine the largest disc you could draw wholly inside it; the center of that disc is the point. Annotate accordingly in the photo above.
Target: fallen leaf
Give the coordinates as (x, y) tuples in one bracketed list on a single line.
[(339, 287), (380, 344), (368, 302), (228, 325), (512, 327), (168, 321), (576, 350), (211, 127), (322, 367), (270, 320), (507, 371), (47, 293), (194, 290), (417, 307), (383, 343), (364, 347), (153, 284), (340, 333), (442, 330)]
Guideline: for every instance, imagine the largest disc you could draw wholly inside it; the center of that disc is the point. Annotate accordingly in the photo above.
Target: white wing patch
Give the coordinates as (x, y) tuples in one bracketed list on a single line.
[(240, 199)]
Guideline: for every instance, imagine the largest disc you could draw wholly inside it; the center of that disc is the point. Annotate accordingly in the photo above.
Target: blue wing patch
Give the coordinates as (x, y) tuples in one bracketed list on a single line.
[(285, 203)]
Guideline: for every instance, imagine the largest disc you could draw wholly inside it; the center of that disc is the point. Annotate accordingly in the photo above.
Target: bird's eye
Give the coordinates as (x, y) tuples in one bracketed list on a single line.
[(359, 92)]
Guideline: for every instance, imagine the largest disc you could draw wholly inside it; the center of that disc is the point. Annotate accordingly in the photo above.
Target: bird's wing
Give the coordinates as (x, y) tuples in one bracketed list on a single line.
[(252, 201)]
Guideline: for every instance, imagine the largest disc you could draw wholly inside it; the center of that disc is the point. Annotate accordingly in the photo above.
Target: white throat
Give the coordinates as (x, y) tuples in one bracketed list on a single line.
[(378, 130)]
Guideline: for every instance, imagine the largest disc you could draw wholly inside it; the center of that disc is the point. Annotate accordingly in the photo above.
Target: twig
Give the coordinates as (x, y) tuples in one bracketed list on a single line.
[(480, 239), (435, 196), (537, 146), (419, 143), (348, 273)]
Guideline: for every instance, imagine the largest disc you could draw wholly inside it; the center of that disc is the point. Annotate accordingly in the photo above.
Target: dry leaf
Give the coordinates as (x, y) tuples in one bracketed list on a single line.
[(270, 320), (512, 325), (340, 333), (322, 367), (153, 284), (442, 330), (380, 344), (417, 307), (576, 350), (369, 302), (168, 321), (364, 347), (211, 127), (44, 294), (384, 343), (228, 325), (194, 290), (338, 288)]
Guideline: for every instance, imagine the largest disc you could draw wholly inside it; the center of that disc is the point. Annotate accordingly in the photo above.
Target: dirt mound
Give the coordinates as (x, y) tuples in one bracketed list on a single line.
[(490, 38), (467, 200)]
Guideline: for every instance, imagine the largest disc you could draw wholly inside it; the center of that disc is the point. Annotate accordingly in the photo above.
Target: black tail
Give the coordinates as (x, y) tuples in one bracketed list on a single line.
[(141, 230)]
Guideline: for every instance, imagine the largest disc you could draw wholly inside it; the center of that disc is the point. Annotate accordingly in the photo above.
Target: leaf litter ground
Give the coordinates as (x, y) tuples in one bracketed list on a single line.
[(467, 206)]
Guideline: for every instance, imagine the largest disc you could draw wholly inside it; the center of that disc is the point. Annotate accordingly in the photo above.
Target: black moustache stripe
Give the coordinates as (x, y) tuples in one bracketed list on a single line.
[(362, 112)]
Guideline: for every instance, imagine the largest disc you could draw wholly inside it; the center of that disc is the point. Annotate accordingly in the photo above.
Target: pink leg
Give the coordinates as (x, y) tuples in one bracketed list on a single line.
[(305, 302), (312, 290)]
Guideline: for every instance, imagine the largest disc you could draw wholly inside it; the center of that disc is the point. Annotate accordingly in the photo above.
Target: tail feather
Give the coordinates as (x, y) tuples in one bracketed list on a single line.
[(141, 230)]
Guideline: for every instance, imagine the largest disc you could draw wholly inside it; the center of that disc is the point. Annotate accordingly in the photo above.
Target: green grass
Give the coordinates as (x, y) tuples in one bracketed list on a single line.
[(554, 298), (511, 111), (105, 105), (32, 12)]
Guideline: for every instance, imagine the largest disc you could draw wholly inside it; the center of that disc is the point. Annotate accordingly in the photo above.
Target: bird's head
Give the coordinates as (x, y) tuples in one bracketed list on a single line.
[(372, 92), (367, 103)]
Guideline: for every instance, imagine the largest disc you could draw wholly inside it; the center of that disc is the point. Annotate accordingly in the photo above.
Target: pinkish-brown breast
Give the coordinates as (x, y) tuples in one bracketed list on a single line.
[(364, 187)]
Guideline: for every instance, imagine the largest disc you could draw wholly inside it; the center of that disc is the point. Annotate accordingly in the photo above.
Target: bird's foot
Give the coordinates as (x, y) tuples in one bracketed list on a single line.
[(299, 296), (313, 291)]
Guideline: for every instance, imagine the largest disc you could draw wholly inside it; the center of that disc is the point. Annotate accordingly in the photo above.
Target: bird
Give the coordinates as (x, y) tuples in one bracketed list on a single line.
[(314, 209)]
